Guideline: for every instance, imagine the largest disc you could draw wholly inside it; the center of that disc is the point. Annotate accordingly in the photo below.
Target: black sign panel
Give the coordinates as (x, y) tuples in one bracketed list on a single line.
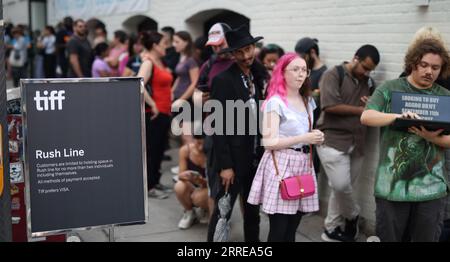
[(84, 153), (433, 110), (428, 107)]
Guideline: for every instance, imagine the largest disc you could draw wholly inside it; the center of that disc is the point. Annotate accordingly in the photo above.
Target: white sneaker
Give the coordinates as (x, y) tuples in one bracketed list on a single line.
[(154, 193), (187, 220), (175, 169), (202, 215)]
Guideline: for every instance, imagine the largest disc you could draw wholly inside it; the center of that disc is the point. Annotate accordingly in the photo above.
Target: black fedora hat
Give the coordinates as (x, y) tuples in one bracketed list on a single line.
[(238, 38)]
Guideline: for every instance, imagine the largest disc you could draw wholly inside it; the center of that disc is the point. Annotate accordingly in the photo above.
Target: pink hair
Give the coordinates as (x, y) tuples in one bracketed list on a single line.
[(277, 84)]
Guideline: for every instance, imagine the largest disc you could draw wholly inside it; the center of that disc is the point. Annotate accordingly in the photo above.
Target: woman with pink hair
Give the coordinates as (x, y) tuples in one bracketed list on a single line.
[(287, 136)]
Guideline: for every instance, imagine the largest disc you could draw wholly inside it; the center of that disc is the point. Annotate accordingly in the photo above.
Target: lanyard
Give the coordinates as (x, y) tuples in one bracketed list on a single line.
[(248, 83)]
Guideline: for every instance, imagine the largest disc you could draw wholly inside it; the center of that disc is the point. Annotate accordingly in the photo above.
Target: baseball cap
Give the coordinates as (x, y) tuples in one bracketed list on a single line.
[(304, 45), (216, 34)]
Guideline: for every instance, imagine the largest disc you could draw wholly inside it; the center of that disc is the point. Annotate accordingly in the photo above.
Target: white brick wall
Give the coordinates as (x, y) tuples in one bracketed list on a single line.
[(14, 10), (341, 26)]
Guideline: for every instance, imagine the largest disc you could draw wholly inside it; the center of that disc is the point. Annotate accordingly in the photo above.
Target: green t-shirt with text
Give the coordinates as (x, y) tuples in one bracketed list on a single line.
[(410, 168)]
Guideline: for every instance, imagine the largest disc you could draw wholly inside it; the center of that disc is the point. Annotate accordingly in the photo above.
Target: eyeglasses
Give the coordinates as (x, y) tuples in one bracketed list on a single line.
[(302, 70)]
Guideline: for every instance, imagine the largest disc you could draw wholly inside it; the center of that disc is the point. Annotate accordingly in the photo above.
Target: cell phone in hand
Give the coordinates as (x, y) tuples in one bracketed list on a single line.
[(197, 179), (195, 174)]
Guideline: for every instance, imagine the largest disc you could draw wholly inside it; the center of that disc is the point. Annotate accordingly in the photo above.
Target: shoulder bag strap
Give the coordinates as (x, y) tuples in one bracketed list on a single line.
[(310, 146), (277, 172), (305, 101)]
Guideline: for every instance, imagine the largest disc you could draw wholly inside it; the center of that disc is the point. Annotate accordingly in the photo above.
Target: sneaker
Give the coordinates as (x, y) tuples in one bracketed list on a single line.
[(187, 220), (175, 169), (351, 227), (336, 236), (202, 215), (164, 188), (373, 239), (154, 193)]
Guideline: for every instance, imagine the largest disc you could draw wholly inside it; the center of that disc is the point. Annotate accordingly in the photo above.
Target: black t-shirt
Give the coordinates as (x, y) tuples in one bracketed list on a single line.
[(82, 48), (171, 58), (62, 37), (315, 76), (134, 63)]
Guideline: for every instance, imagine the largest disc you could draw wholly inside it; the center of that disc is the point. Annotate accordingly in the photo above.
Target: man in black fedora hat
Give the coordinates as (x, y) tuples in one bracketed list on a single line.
[(235, 155)]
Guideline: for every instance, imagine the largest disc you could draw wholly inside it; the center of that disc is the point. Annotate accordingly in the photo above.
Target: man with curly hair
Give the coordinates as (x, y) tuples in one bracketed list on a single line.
[(411, 184)]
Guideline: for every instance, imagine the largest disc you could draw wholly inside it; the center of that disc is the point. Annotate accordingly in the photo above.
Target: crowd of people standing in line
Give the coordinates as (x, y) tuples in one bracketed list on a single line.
[(314, 120)]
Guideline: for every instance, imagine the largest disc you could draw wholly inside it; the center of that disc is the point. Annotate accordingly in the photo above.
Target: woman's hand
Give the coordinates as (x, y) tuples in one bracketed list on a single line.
[(155, 112), (199, 181), (315, 137), (185, 176)]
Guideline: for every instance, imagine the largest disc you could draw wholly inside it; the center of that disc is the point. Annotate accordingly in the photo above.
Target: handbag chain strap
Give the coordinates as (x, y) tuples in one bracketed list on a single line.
[(277, 172)]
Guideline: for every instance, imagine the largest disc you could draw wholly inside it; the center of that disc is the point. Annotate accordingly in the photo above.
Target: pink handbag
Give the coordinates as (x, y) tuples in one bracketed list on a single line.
[(300, 185), (296, 187)]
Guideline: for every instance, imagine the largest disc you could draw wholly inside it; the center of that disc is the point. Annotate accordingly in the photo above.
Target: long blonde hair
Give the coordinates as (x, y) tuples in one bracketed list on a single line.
[(428, 32)]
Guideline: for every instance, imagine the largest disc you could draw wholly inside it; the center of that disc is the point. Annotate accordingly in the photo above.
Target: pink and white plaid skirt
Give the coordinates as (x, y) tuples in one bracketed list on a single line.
[(266, 184)]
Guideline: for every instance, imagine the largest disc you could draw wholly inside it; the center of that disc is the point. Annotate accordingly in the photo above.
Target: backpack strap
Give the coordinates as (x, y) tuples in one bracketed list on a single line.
[(341, 73), (202, 84)]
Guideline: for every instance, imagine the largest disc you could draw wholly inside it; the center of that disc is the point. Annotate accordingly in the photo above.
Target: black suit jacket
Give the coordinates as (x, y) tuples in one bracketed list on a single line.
[(230, 151)]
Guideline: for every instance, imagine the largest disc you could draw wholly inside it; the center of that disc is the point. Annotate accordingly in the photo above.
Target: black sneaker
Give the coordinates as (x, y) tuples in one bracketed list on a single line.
[(336, 236), (351, 227)]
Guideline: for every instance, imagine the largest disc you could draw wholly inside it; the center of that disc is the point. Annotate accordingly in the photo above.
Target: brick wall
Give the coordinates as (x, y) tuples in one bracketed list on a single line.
[(341, 26), (15, 10)]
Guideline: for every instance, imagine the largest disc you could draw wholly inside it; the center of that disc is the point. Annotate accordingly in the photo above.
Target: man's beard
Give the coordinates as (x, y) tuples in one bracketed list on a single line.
[(311, 62)]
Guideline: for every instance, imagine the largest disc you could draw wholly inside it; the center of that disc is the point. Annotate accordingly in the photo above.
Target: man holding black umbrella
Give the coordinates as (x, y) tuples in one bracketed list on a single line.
[(235, 155)]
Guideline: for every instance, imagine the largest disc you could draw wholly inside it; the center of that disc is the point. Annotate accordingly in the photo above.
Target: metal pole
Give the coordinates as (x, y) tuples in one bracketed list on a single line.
[(111, 234), (5, 198)]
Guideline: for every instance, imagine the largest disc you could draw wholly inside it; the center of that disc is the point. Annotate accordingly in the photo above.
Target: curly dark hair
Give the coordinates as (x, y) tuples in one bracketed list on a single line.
[(426, 46)]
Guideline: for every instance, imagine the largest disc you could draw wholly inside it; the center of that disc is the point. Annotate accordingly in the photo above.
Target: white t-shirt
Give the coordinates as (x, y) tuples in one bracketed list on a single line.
[(292, 121), (49, 44), (18, 55)]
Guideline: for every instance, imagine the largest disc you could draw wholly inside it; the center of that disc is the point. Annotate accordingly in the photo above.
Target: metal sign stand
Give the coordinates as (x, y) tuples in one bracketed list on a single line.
[(111, 234)]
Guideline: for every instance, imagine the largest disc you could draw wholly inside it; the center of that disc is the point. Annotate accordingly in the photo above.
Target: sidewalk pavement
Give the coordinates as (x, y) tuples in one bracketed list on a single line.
[(165, 214)]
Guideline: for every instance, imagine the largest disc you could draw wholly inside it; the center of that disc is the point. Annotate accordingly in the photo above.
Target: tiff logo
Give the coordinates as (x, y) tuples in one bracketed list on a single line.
[(42, 102)]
